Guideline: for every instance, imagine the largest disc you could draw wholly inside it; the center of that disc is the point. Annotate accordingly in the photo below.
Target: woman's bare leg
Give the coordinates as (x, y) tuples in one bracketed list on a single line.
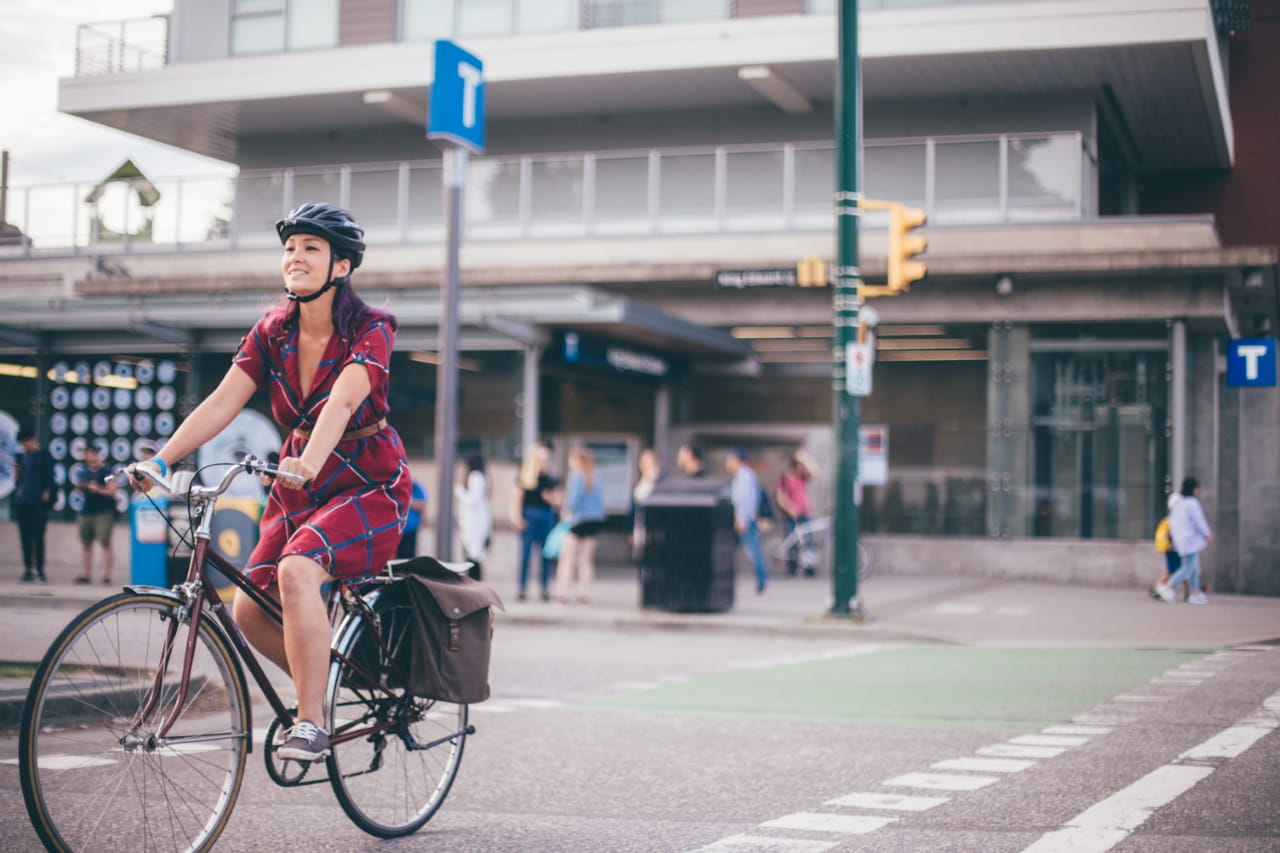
[(306, 631), (263, 632)]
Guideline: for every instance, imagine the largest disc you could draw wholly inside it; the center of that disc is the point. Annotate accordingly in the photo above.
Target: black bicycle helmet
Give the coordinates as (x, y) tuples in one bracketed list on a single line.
[(332, 223)]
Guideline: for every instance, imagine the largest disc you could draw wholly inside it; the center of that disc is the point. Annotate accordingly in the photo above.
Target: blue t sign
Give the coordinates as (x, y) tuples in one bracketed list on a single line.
[(456, 114), (1251, 363)]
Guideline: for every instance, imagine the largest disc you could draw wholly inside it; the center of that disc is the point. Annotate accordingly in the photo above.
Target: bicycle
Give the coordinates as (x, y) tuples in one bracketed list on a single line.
[(807, 546), (138, 725)]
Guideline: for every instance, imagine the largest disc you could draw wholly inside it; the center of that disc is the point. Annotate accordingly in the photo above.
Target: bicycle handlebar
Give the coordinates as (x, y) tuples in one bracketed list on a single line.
[(248, 465)]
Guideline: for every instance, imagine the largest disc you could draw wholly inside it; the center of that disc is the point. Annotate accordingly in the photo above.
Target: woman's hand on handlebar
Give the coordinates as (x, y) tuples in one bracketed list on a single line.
[(300, 473), (139, 479)]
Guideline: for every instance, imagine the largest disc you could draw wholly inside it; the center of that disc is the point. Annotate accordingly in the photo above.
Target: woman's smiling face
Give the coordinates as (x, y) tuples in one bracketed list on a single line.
[(305, 264)]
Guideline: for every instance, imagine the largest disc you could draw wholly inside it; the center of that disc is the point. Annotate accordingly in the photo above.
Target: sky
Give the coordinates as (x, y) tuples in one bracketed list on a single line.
[(37, 47)]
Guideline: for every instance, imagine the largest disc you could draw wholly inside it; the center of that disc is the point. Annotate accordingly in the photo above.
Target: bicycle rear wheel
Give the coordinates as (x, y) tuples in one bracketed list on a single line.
[(389, 782), (94, 774)]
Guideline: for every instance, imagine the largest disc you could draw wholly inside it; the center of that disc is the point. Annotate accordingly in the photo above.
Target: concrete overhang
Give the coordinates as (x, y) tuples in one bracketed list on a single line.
[(491, 318), (1156, 63)]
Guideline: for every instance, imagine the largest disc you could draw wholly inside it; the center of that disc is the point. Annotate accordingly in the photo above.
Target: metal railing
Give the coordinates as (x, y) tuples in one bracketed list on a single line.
[(709, 190), (119, 47)]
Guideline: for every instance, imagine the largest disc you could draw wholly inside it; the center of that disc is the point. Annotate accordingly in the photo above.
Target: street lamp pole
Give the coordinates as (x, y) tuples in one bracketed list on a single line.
[(847, 300)]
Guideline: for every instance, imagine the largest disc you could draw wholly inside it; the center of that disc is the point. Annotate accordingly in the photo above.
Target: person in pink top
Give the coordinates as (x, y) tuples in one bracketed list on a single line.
[(793, 501)]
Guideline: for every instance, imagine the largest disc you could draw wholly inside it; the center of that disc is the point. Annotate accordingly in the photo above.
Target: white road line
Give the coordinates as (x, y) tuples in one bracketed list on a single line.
[(983, 765), (1104, 825), (633, 685), (824, 822), (1138, 698), (1076, 730), (535, 703), (765, 844), (942, 781), (896, 802), (958, 609), (1009, 750), (1013, 611), (1093, 719), (1049, 740)]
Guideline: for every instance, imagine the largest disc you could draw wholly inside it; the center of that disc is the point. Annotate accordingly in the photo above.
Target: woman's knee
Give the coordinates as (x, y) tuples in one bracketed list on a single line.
[(298, 575)]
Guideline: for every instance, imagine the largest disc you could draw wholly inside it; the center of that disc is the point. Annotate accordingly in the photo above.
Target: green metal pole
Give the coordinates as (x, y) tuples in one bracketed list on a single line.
[(847, 302)]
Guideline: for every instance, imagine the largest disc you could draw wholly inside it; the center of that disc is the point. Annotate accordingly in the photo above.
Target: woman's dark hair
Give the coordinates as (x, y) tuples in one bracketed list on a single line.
[(475, 463), (1189, 486)]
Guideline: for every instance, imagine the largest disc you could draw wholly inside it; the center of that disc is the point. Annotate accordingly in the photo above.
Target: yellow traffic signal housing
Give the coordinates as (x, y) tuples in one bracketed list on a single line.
[(903, 246), (811, 272)]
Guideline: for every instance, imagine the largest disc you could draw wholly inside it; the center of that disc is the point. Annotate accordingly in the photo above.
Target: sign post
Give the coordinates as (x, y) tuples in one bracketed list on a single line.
[(847, 303), (456, 120)]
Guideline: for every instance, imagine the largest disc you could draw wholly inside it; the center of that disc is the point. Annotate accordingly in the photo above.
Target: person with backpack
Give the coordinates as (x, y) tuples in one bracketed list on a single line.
[(1164, 544)]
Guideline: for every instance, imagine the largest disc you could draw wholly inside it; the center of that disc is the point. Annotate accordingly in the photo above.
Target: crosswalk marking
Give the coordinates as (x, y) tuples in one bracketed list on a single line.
[(942, 781), (824, 822), (1010, 750), (1049, 740), (984, 765), (896, 802), (1105, 824), (766, 844), (1076, 730)]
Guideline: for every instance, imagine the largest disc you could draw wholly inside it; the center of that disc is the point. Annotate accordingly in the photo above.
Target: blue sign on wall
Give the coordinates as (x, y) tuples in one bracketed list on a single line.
[(456, 114), (1251, 363)]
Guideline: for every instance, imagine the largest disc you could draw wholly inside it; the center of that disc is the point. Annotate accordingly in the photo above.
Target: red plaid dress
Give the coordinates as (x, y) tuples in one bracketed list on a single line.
[(350, 517)]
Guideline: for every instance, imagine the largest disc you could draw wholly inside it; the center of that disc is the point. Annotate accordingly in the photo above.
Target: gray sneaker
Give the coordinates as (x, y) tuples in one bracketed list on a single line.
[(306, 742)]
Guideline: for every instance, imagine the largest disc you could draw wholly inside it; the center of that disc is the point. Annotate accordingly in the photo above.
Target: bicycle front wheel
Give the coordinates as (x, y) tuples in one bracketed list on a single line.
[(392, 779), (95, 773)]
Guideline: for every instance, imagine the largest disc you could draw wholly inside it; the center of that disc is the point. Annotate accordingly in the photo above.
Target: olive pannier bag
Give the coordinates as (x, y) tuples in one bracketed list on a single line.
[(450, 631)]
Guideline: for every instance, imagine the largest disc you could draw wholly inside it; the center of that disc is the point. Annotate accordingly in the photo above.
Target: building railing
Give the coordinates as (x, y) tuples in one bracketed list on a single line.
[(119, 47), (709, 190)]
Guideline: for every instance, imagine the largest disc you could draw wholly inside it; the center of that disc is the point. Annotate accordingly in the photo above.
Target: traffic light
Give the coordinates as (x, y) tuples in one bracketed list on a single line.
[(811, 272), (903, 246)]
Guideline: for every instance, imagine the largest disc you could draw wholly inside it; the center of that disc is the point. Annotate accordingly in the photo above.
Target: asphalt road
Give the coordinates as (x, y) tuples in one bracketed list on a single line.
[(680, 740)]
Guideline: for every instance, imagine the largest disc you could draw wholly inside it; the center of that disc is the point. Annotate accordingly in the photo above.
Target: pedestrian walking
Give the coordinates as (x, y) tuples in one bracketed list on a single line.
[(97, 514), (689, 461), (324, 359), (475, 517), (744, 492), (408, 547), (32, 497), (650, 474), (584, 511), (1191, 534), (1164, 544), (793, 502), (533, 514)]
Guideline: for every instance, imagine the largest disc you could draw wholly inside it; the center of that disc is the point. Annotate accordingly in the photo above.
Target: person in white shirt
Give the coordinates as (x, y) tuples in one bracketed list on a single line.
[(1191, 534), (475, 516)]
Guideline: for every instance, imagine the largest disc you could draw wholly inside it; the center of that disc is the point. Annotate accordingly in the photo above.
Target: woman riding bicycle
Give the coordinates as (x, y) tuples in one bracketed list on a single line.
[(324, 357)]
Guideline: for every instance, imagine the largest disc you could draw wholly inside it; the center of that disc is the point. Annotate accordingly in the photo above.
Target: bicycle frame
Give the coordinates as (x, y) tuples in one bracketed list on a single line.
[(198, 590)]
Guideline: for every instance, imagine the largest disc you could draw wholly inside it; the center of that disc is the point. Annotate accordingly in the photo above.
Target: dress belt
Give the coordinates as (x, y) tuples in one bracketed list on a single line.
[(349, 435)]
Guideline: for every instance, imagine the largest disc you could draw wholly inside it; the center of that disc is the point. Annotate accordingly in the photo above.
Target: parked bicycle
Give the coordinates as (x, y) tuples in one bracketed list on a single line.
[(138, 723), (806, 548)]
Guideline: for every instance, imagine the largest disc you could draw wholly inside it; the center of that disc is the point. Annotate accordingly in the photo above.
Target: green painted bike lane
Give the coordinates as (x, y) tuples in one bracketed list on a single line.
[(932, 687)]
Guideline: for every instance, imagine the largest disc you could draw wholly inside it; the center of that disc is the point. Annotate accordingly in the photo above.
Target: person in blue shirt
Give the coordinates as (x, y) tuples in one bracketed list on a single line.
[(744, 493), (408, 546), (584, 510), (31, 500)]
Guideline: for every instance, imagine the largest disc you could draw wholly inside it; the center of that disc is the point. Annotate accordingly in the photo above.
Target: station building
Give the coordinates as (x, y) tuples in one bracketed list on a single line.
[(1099, 177)]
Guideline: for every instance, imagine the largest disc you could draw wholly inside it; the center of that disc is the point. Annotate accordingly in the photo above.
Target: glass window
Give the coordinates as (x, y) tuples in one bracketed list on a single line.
[(247, 6), (895, 172), (821, 7), (319, 186), (374, 197), (967, 186), (622, 189), (753, 187), (313, 24), (545, 16), (257, 34), (493, 192), (674, 11), (1044, 176), (687, 186), (557, 190), (426, 20), (484, 18), (815, 183)]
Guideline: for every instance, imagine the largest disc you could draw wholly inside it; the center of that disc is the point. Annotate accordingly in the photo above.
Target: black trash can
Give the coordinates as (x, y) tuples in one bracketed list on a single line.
[(687, 556)]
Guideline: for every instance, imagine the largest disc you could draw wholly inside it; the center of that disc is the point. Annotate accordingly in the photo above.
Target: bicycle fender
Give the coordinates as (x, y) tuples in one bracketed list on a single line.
[(144, 589)]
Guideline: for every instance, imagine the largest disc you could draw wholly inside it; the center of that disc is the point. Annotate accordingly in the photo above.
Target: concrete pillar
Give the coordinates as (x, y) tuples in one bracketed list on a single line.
[(1178, 424), (1009, 496), (531, 414)]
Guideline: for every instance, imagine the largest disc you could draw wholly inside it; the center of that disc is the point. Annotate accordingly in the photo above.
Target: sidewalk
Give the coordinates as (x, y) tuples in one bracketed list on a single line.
[(898, 608)]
